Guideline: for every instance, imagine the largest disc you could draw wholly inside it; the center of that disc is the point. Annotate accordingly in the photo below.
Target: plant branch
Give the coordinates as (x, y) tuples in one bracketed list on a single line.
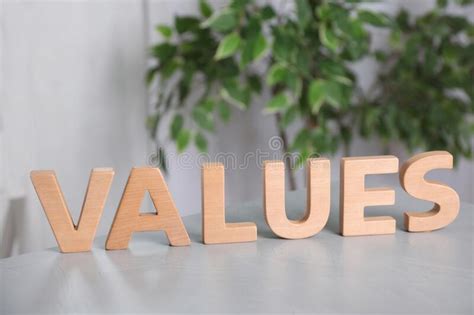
[(288, 165)]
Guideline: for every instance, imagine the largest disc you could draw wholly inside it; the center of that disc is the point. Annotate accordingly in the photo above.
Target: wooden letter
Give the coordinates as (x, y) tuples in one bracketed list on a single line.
[(73, 238), (128, 218), (214, 228), (446, 200), (318, 176), (354, 197)]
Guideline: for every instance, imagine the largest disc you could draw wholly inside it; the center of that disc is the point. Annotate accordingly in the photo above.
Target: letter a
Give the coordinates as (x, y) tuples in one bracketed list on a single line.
[(128, 218)]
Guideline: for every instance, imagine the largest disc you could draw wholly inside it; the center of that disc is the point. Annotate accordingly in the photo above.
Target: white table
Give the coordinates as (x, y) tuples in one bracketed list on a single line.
[(400, 273)]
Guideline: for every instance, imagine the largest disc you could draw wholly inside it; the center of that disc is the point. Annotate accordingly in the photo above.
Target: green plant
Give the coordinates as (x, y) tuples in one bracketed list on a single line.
[(304, 54), (424, 95)]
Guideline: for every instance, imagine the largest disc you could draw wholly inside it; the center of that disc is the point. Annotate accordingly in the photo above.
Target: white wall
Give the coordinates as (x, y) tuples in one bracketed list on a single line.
[(72, 97)]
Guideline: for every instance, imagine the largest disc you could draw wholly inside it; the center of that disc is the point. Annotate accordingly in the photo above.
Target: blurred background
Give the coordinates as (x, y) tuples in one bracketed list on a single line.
[(74, 93)]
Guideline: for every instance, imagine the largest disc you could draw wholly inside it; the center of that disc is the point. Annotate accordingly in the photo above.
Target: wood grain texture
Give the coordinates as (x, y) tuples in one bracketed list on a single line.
[(318, 191), (128, 218), (446, 200), (215, 230), (73, 238), (354, 197)]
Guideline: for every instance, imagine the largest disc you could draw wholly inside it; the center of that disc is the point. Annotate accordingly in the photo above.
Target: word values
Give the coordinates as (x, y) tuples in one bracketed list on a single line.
[(354, 197)]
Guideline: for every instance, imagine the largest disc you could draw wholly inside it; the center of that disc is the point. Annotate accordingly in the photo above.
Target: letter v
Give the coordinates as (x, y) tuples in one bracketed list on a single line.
[(70, 237)]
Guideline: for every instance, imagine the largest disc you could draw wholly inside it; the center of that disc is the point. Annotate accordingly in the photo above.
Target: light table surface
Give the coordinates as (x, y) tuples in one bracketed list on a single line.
[(400, 273)]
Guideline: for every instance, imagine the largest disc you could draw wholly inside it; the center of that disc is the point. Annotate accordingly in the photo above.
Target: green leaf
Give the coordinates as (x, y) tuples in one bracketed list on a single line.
[(233, 94), (289, 116), (331, 68), (346, 134), (278, 103), (152, 124), (176, 126), (204, 119), (205, 8), (441, 3), (302, 157), (184, 84), (254, 48), (150, 75), (201, 142), (402, 20), (276, 74), (301, 140), (259, 47), (412, 48), (303, 61), (334, 94), (295, 83), (254, 83), (267, 12), (207, 105), (247, 53), (221, 21), (224, 111), (316, 95), (303, 12), (226, 68), (328, 38), (356, 31), (239, 4), (252, 28), (373, 18), (395, 38), (169, 68), (186, 23), (164, 30), (284, 46), (342, 79), (228, 46), (324, 12), (183, 140), (322, 141), (380, 55), (163, 51), (331, 11)]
